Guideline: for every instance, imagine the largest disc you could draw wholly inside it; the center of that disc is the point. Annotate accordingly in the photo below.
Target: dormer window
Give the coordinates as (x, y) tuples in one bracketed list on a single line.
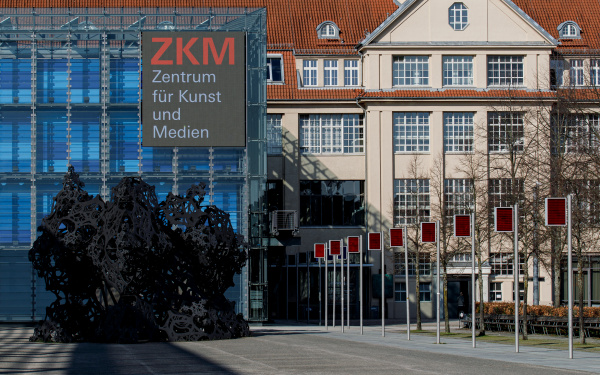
[(328, 30), (458, 16), (569, 30)]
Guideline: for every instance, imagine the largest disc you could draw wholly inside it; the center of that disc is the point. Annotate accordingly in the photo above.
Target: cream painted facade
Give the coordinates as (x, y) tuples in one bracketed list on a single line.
[(495, 28)]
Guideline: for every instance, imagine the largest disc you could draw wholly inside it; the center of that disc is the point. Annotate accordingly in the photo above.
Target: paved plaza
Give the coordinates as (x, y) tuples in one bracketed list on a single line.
[(289, 349)]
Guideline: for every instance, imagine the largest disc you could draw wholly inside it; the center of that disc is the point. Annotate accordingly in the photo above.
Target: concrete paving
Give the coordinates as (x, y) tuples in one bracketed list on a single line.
[(289, 348)]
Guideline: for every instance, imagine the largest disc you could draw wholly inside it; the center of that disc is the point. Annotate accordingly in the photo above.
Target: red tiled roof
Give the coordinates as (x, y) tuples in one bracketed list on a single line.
[(551, 13), (466, 94)]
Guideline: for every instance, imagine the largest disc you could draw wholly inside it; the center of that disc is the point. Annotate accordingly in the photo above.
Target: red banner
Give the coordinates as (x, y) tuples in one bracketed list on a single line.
[(556, 212), (319, 250), (462, 225), (374, 241), (428, 232), (503, 219), (335, 247), (396, 237), (353, 244)]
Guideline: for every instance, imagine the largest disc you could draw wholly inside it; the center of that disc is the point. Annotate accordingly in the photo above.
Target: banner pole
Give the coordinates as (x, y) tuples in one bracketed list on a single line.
[(342, 283), (473, 289), (382, 285), (326, 286), (334, 288), (405, 235), (361, 284), (348, 286), (320, 302), (437, 226), (570, 276), (516, 270)]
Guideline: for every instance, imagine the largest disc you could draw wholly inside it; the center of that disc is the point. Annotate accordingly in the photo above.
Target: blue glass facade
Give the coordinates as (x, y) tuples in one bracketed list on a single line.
[(70, 93)]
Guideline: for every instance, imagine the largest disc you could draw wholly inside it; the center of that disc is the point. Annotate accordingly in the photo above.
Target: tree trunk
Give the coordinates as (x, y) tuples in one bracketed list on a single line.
[(446, 317), (525, 289), (481, 305), (580, 296), (556, 268), (418, 298)]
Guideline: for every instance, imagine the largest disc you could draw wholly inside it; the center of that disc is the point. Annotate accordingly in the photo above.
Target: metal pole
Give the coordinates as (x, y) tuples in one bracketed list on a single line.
[(473, 289), (326, 286), (382, 285), (320, 303), (360, 292), (536, 269), (516, 269), (342, 284), (406, 281), (348, 289), (570, 278), (334, 287), (307, 287), (437, 229)]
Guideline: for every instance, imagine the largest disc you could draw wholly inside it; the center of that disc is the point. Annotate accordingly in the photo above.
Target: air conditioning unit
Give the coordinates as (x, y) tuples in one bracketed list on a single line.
[(284, 220)]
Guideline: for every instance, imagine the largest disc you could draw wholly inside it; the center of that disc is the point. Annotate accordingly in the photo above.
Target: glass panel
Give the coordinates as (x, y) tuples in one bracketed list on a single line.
[(15, 141), (15, 85)]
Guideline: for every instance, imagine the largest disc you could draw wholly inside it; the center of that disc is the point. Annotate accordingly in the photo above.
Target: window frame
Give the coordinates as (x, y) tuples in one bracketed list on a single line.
[(576, 72), (321, 131), (495, 291), (322, 199), (310, 72), (498, 127), (270, 69), (411, 132), (274, 134), (416, 199), (400, 291), (459, 132), (351, 73), (458, 11), (330, 72), (458, 195), (457, 77), (595, 72), (425, 291), (410, 70), (500, 76)]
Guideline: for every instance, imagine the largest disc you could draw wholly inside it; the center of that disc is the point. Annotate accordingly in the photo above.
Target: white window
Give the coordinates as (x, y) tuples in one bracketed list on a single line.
[(495, 292), (505, 131), (458, 16), (331, 134), (461, 257), (505, 70), (274, 69), (411, 71), (274, 146), (578, 133), (595, 72), (400, 292), (331, 73), (576, 73), (458, 195), (570, 30), (411, 132), (458, 131), (503, 192), (411, 201), (328, 30), (458, 71), (351, 72), (310, 72)]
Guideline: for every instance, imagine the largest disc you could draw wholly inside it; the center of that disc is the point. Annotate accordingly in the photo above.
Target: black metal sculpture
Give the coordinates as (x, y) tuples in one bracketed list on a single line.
[(132, 269)]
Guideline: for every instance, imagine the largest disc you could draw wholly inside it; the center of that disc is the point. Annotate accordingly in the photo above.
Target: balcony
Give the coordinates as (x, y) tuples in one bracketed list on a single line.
[(284, 220)]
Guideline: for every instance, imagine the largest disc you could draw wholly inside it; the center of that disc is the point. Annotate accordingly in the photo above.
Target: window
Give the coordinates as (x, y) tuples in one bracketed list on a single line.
[(595, 72), (505, 70), (504, 192), (495, 292), (461, 258), (569, 30), (521, 291), (332, 203), (274, 69), (425, 292), (351, 72), (458, 71), (575, 133), (400, 292), (15, 85), (556, 73), (328, 30), (411, 201), (458, 195), (458, 16), (411, 71), (411, 132), (502, 263), (586, 200), (331, 134), (274, 145), (331, 73), (576, 73), (424, 264), (458, 131), (505, 132), (310, 72)]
